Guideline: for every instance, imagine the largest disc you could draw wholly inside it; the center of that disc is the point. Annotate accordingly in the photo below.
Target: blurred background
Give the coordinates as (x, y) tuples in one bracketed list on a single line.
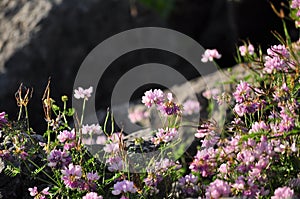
[(50, 38)]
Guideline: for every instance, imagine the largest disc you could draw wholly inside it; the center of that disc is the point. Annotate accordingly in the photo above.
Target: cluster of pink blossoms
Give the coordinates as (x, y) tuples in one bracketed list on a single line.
[(204, 162), (123, 187), (277, 59), (164, 103), (165, 135), (137, 115), (157, 171), (2, 118), (191, 107), (68, 138), (81, 93), (59, 158), (246, 49), (283, 192), (218, 189), (245, 102), (296, 5), (38, 195), (92, 195), (92, 134), (114, 157), (210, 55), (189, 185), (72, 177)]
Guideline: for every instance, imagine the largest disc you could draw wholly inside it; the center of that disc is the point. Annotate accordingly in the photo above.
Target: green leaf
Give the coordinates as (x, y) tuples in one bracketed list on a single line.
[(11, 171), (55, 107), (70, 112), (38, 170)]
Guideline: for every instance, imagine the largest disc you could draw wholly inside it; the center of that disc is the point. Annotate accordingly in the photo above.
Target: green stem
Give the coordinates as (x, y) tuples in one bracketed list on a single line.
[(20, 112), (34, 164), (27, 118), (82, 114)]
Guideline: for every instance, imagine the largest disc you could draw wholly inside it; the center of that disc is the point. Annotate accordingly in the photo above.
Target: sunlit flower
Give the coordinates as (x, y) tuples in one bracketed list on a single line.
[(283, 193), (190, 107), (42, 195), (66, 135), (124, 186), (92, 195), (71, 176), (210, 55), (153, 97), (218, 189), (81, 93), (58, 158), (246, 49)]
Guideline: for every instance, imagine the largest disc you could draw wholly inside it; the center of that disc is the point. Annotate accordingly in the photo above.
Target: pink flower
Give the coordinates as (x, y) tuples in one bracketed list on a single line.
[(33, 191), (42, 195), (208, 94), (58, 158), (124, 186), (153, 97), (115, 163), (81, 93), (246, 49), (2, 118), (251, 49), (243, 50), (71, 176), (209, 55), (66, 136), (92, 176), (190, 107), (223, 168), (91, 129), (138, 115), (165, 135), (240, 109), (204, 162), (111, 147), (45, 191), (275, 61), (239, 183), (295, 4), (188, 184), (259, 126), (242, 92), (218, 189), (92, 195), (283, 193)]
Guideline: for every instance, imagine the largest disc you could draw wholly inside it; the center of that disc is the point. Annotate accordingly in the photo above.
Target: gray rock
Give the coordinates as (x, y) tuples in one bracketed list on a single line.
[(183, 92)]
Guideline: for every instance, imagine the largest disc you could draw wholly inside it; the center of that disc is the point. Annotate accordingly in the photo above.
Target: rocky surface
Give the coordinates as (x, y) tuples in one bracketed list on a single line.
[(187, 91), (18, 22)]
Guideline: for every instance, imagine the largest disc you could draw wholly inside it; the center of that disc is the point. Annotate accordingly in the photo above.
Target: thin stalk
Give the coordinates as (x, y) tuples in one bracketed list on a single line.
[(82, 114), (27, 118), (20, 112), (34, 164)]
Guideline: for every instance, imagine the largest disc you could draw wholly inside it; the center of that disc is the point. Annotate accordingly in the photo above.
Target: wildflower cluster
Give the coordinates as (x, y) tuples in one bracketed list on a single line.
[(255, 155)]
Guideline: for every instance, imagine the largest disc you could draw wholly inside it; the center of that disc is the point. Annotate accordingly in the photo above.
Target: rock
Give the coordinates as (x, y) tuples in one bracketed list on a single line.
[(184, 91), (18, 22)]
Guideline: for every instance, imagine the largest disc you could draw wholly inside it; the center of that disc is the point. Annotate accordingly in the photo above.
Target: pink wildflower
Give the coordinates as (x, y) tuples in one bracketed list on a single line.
[(283, 193), (124, 186), (71, 176), (210, 55), (81, 93), (92, 195)]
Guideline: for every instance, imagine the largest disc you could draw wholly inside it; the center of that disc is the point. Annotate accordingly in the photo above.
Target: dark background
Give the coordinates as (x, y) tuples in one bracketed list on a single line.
[(72, 28)]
